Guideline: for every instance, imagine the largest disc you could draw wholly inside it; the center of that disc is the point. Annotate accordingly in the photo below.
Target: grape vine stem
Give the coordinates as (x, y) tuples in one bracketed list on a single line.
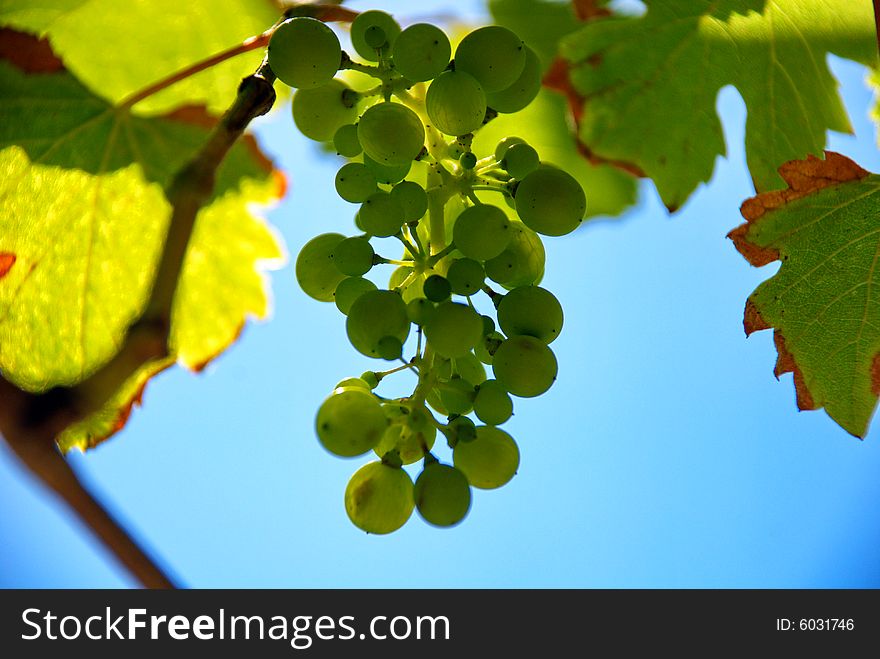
[(30, 422)]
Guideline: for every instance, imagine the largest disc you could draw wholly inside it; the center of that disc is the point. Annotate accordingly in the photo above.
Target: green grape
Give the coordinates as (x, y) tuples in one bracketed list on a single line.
[(350, 423), (532, 311), (488, 325), (361, 26), (408, 434), (493, 55), (420, 310), (349, 290), (304, 53), (492, 404), (525, 366), (412, 290), (319, 112), (355, 182), (467, 160), (389, 348), (391, 134), (421, 52), (412, 198), (371, 379), (433, 399), (455, 102), (346, 142), (354, 256), (380, 215), (520, 161), (502, 146), (349, 383), (454, 330), (442, 495), (489, 461), (462, 429), (481, 232), (379, 498), (485, 349), (522, 261), (467, 366), (316, 272), (465, 276), (437, 288), (457, 395), (374, 316), (385, 174), (523, 91), (550, 201)]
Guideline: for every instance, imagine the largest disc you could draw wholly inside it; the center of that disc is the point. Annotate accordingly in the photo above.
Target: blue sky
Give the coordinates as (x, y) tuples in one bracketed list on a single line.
[(666, 455)]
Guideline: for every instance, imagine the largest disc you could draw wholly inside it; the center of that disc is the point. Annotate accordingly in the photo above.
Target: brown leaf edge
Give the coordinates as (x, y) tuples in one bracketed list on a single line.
[(804, 177), (35, 56)]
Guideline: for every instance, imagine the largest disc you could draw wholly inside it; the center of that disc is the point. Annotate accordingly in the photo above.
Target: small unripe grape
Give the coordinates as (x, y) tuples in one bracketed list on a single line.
[(442, 495), (355, 182), (350, 422), (482, 232), (304, 53), (550, 201), (354, 256), (531, 311), (421, 52), (366, 29), (437, 288), (525, 366), (454, 330), (493, 55), (490, 460), (391, 134), (316, 271), (456, 103), (523, 91), (346, 142), (319, 112), (379, 498)]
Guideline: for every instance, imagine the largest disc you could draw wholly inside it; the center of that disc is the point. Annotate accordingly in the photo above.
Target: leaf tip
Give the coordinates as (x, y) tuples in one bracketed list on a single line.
[(785, 363)]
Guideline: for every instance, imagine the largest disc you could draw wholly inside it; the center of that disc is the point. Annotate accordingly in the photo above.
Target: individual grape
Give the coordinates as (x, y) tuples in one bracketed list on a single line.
[(493, 55), (354, 256), (379, 498), (523, 91), (319, 112), (349, 290), (346, 142), (355, 182), (420, 310), (442, 495), (461, 429), (437, 288), (489, 461), (372, 317), (391, 134), (465, 276), (371, 379), (454, 330), (520, 161), (457, 395), (349, 383), (550, 201), (382, 29), (385, 174), (408, 434), (316, 272), (492, 404), (421, 52), (470, 368), (303, 52), (522, 262), (380, 215), (525, 366), (350, 422), (481, 232), (532, 311), (467, 160), (412, 198), (502, 146), (389, 348), (485, 349), (455, 102)]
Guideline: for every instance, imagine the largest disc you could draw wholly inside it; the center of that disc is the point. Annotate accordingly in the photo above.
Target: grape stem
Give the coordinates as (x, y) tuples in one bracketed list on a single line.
[(406, 365), (436, 258), (31, 422)]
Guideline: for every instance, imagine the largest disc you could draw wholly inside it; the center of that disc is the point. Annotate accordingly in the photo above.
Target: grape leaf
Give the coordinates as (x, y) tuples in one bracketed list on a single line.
[(823, 304), (115, 53), (84, 214), (649, 84), (545, 122)]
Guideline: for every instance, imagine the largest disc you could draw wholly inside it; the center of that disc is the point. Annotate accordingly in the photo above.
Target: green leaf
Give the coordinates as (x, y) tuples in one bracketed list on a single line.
[(824, 303), (649, 84), (84, 218), (544, 125), (117, 50)]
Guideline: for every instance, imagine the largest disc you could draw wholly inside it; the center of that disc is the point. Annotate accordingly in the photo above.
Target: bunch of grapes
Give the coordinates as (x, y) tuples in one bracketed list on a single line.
[(462, 221)]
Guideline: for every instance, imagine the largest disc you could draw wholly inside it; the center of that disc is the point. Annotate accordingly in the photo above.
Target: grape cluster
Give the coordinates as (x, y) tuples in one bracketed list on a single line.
[(463, 221)]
